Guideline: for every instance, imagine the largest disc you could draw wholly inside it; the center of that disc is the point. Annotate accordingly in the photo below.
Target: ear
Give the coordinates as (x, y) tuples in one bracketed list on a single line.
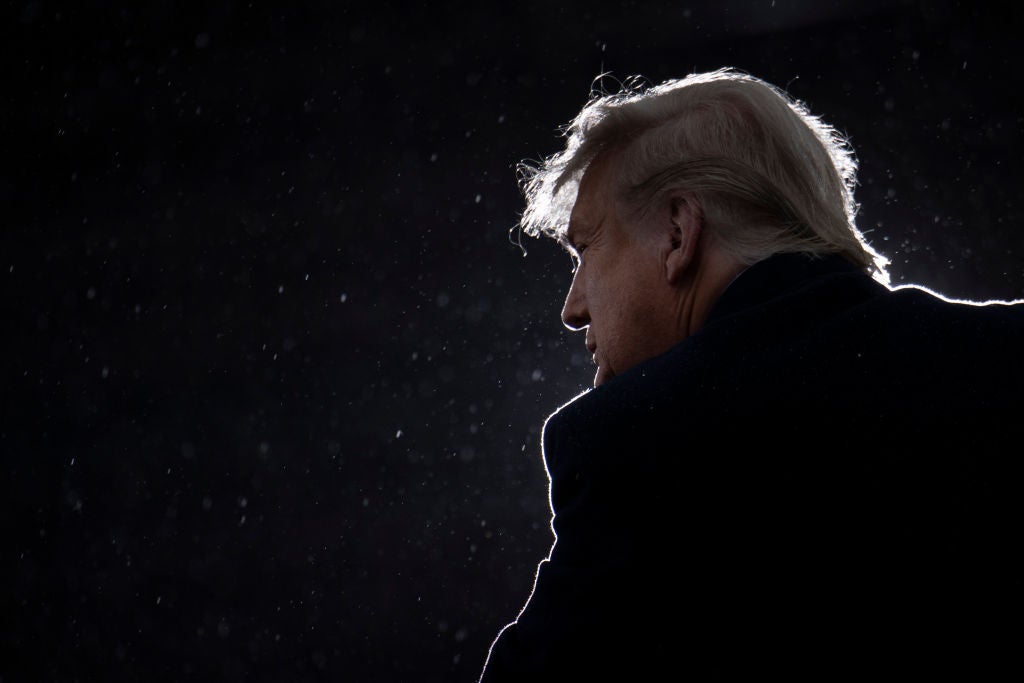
[(686, 222)]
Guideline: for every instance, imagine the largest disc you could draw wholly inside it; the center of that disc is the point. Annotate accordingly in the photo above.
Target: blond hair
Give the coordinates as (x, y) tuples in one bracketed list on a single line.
[(770, 176)]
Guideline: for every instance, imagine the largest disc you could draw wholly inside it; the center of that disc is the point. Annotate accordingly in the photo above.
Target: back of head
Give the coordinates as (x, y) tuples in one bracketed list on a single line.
[(770, 177)]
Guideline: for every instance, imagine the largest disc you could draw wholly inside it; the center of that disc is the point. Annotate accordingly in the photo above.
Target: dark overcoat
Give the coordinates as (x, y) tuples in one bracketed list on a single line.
[(825, 481)]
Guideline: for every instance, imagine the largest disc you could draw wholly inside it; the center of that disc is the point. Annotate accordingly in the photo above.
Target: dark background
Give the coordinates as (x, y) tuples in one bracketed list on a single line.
[(274, 372)]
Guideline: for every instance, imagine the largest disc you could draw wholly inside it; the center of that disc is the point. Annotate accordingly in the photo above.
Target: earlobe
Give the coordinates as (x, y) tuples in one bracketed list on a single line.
[(685, 225)]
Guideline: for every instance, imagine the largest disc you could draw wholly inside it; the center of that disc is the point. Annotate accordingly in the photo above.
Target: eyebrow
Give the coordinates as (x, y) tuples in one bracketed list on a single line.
[(571, 232), (568, 236), (577, 226)]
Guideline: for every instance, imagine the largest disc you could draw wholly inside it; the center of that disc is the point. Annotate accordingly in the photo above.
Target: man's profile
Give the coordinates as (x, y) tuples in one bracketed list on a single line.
[(786, 466)]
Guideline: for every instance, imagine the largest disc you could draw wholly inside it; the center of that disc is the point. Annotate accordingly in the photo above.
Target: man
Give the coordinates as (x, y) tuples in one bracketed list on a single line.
[(785, 467)]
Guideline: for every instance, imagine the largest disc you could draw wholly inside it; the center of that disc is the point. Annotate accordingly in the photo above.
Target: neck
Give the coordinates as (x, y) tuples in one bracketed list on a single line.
[(714, 272)]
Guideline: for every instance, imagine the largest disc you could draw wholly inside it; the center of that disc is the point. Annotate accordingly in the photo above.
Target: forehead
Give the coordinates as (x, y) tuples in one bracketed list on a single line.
[(592, 199)]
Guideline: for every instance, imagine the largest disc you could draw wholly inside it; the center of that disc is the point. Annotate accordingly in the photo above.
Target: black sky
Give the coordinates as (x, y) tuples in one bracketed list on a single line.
[(275, 373)]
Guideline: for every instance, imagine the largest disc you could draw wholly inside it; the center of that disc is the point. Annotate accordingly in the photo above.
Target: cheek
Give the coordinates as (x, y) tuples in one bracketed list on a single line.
[(644, 317)]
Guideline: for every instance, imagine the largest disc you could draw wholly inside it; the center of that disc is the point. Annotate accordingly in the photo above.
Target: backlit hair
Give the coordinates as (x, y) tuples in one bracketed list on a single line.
[(770, 176)]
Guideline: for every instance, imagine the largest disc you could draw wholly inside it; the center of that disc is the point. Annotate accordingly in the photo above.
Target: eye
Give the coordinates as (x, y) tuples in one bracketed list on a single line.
[(577, 255)]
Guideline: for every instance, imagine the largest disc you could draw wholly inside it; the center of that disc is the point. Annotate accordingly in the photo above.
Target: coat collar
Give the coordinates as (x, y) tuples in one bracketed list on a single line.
[(778, 275)]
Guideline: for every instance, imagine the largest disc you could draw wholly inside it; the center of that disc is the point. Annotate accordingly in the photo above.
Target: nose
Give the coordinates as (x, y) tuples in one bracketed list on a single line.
[(575, 315)]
